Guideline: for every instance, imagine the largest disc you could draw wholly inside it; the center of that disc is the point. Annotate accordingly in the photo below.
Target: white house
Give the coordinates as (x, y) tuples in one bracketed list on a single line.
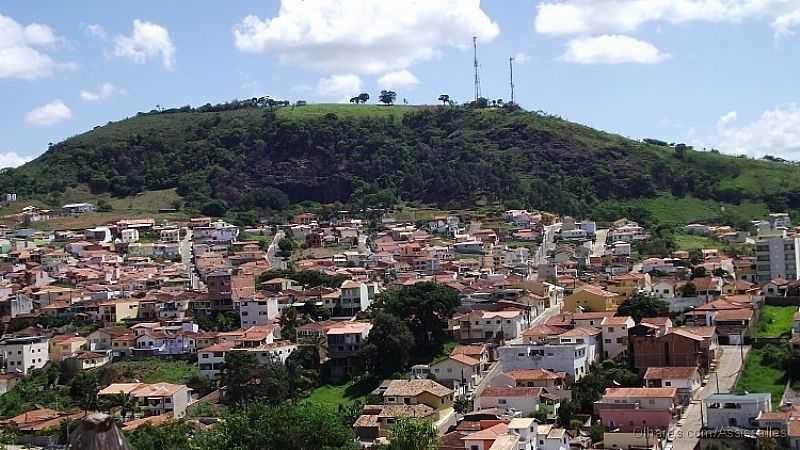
[(735, 410), (572, 359), (211, 359), (219, 231), (550, 437), (458, 370), (589, 336), (258, 311), (357, 296), (129, 235), (481, 325), (23, 354), (686, 379), (511, 400), (153, 399), (615, 336)]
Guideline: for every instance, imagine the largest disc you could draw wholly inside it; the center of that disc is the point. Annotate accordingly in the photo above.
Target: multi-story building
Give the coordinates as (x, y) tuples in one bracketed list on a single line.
[(615, 336), (344, 341), (572, 359), (482, 325), (258, 311), (636, 409), (153, 399), (777, 257), (735, 410), (23, 354)]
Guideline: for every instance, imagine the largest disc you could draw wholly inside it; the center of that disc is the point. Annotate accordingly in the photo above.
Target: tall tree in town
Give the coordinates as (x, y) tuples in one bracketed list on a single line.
[(413, 433), (387, 349)]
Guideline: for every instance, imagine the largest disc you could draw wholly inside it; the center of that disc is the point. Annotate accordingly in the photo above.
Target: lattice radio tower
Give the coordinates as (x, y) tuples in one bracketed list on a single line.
[(477, 77)]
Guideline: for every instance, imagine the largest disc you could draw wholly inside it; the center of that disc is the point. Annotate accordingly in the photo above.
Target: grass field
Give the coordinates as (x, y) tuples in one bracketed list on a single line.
[(153, 371), (775, 321), (669, 210), (760, 376), (342, 394), (345, 110), (692, 241)]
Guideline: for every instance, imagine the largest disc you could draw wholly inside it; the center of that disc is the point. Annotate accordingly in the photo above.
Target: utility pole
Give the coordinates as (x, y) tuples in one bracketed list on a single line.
[(716, 373), (511, 74), (475, 64)]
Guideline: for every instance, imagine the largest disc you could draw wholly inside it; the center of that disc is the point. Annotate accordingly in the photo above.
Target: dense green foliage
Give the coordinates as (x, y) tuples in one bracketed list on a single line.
[(424, 308), (289, 426), (254, 159), (248, 380), (643, 305), (592, 386), (388, 347), (307, 278), (413, 433), (173, 435)]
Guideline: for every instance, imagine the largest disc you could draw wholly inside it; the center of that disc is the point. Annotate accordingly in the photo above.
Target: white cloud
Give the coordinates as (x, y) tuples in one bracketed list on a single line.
[(49, 114), (623, 16), (521, 58), (97, 31), (21, 53), (785, 24), (776, 133), (727, 118), (101, 92), (12, 159), (364, 36), (612, 49), (148, 40), (398, 80), (342, 87)]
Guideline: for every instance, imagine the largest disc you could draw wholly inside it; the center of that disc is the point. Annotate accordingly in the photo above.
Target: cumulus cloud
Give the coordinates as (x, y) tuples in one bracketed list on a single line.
[(521, 58), (49, 114), (399, 79), (776, 133), (612, 49), (623, 16), (148, 40), (21, 50), (364, 36), (101, 92), (343, 87), (97, 31), (12, 159)]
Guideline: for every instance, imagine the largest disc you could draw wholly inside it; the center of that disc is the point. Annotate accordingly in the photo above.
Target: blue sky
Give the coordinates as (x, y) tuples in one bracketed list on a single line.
[(713, 73)]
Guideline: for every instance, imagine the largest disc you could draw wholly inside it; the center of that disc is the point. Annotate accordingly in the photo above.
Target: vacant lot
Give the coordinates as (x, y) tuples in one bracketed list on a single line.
[(775, 321)]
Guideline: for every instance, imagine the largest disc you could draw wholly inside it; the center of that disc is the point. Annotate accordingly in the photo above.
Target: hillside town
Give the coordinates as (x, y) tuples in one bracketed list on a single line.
[(519, 330)]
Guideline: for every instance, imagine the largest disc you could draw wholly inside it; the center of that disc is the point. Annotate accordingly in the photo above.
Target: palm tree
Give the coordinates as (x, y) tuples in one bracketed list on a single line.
[(125, 402)]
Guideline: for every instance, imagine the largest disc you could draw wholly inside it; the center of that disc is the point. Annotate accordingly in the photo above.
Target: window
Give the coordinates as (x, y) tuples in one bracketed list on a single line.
[(610, 329), (501, 401), (668, 383), (608, 341)]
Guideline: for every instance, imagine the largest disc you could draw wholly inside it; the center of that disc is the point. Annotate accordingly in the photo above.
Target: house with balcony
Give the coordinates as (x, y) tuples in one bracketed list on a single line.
[(153, 399), (343, 342), (571, 359), (635, 409), (481, 325)]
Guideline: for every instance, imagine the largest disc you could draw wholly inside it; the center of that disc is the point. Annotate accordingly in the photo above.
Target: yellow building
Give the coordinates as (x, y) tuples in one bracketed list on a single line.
[(627, 284), (592, 298), (117, 311), (65, 346)]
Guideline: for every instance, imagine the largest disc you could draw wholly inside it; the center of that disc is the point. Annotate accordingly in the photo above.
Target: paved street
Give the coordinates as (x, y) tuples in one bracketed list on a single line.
[(728, 369), (277, 262)]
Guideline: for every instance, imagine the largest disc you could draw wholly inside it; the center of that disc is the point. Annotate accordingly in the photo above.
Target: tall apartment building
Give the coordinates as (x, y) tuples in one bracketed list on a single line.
[(777, 256)]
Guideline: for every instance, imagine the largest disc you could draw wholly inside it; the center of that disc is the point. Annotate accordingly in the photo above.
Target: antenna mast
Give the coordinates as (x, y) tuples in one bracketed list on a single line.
[(477, 77), (511, 73)]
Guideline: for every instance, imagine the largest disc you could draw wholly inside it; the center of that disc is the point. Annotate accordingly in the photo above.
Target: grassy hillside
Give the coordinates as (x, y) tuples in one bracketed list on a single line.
[(256, 162)]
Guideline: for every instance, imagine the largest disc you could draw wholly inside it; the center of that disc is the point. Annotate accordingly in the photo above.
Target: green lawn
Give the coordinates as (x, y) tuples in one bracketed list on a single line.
[(342, 394), (345, 110), (759, 376), (775, 321), (693, 241), (153, 371), (669, 210)]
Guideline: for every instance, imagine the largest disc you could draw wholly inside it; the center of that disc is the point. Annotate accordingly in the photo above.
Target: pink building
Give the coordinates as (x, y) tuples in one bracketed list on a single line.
[(634, 409)]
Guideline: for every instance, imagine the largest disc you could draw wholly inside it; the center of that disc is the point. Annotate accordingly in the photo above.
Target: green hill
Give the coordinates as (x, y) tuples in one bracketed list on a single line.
[(258, 161)]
